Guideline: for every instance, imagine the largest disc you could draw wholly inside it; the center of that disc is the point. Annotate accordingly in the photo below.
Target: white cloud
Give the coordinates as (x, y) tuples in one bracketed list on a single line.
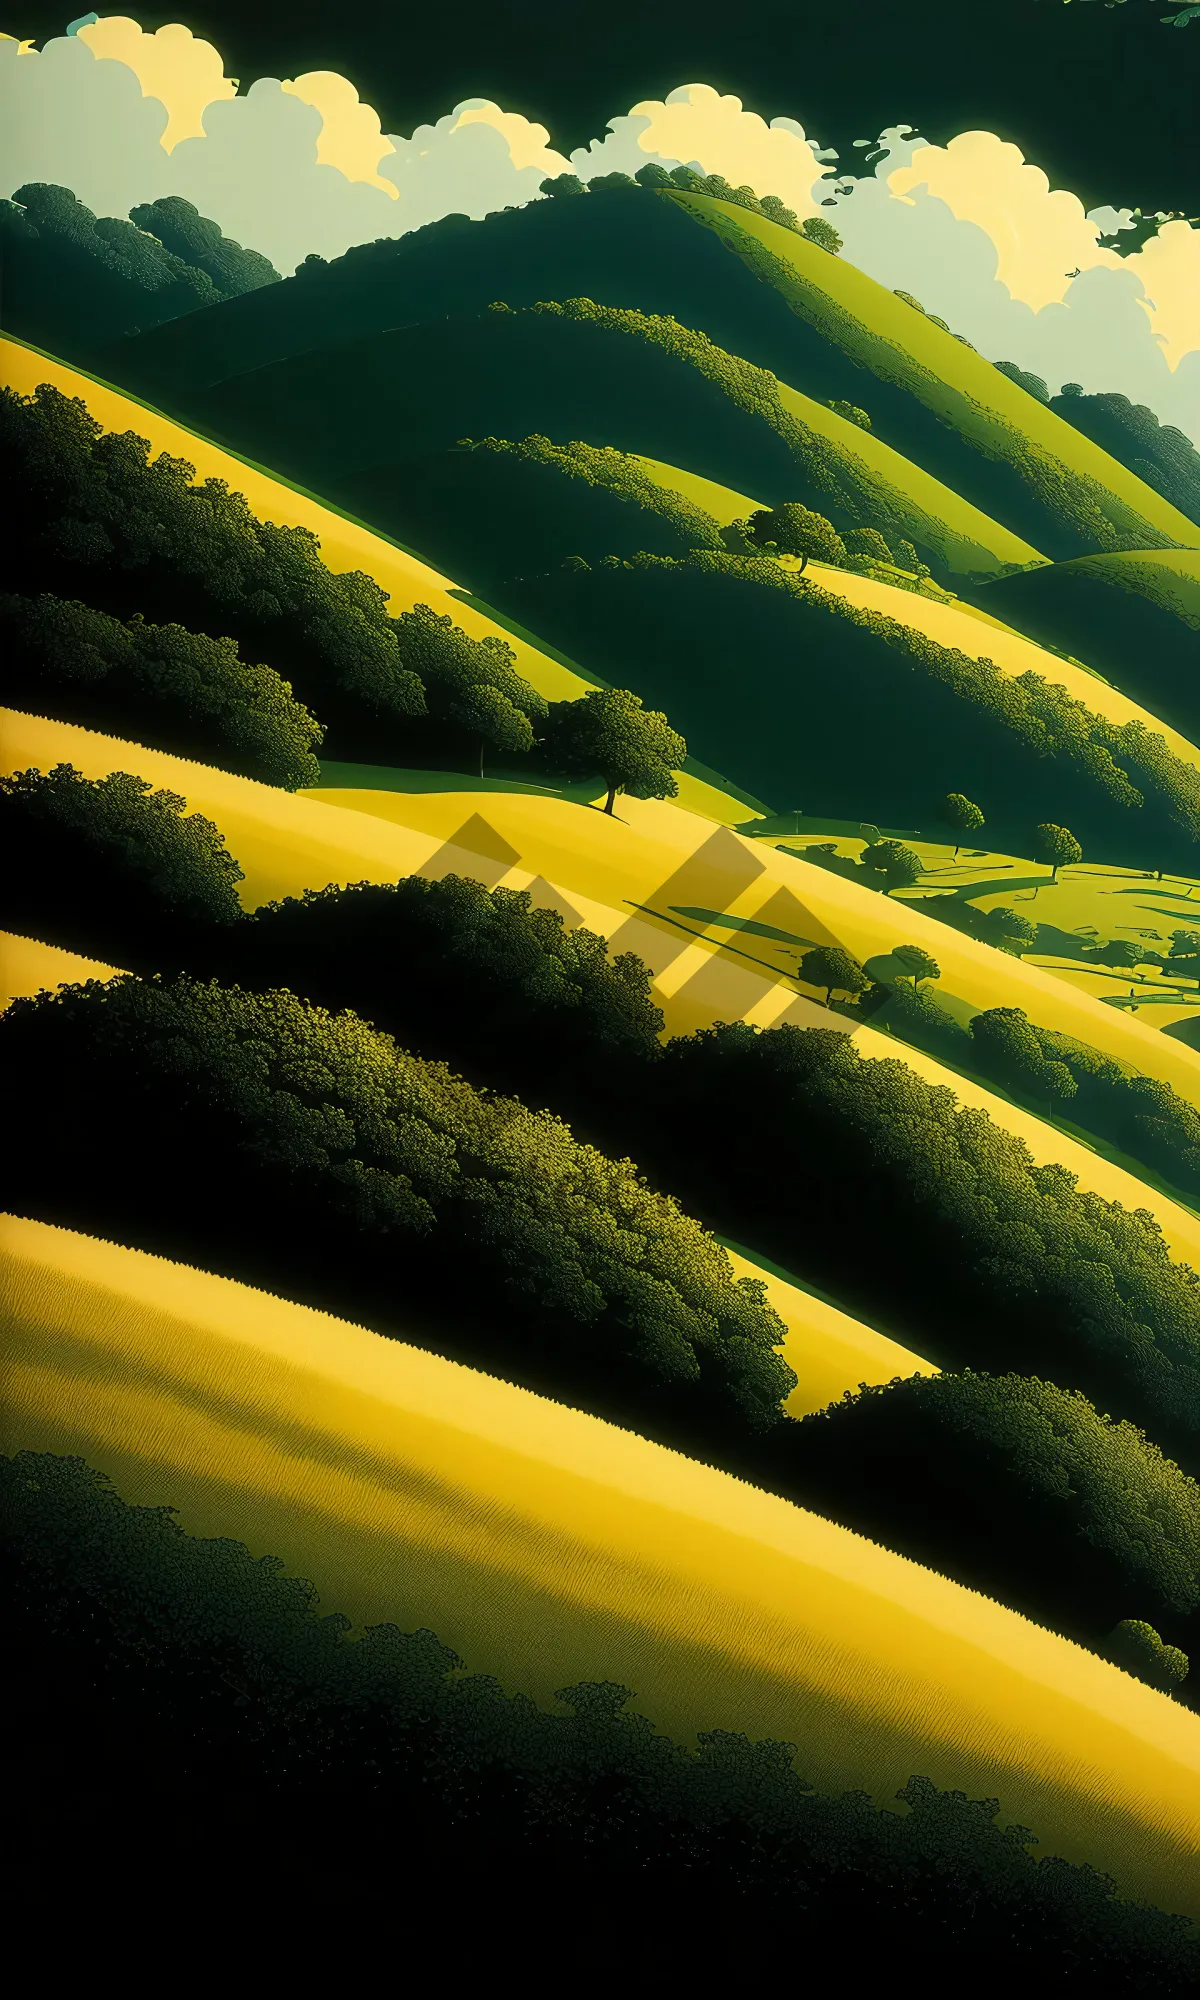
[(695, 126), (184, 73), (472, 162), (256, 172), (79, 123), (350, 137)]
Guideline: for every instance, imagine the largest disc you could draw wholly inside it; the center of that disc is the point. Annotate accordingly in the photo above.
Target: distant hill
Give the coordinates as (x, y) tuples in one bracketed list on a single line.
[(756, 289), (338, 417), (1159, 453), (1135, 617)]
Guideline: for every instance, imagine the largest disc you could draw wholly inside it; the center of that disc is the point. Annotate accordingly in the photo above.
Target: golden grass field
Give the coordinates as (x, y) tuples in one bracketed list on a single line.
[(597, 870), (548, 1547), (1090, 901), (26, 966)]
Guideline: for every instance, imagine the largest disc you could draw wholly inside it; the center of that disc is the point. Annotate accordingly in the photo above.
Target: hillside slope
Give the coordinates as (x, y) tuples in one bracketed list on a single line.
[(625, 879), (816, 322), (27, 965), (346, 544), (1134, 616), (341, 417), (548, 1547), (1066, 492)]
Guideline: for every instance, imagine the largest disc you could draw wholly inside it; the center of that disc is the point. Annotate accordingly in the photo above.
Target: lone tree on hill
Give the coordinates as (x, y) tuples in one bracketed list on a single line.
[(822, 233), (797, 531), (852, 413), (634, 749), (917, 962), (962, 815), (899, 865), (832, 967), (1057, 847), (1137, 1648)]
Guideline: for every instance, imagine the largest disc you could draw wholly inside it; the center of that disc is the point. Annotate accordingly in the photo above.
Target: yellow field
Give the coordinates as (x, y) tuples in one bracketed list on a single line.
[(597, 870), (951, 625), (548, 1547), (720, 501), (345, 544), (1092, 902), (26, 966)]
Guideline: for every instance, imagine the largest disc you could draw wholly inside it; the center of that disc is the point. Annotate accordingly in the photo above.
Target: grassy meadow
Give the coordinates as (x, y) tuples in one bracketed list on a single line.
[(545, 1545)]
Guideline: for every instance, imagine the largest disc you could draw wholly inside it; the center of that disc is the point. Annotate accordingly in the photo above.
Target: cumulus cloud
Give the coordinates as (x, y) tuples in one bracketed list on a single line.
[(1042, 235), (173, 65), (81, 123), (472, 162), (256, 172), (972, 228), (351, 138), (695, 126)]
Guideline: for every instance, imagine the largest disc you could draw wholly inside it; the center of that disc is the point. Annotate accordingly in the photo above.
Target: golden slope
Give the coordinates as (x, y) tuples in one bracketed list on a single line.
[(26, 966), (287, 843), (548, 1547)]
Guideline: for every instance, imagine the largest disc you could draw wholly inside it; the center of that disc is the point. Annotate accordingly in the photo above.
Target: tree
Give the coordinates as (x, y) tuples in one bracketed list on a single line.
[(1071, 389), (653, 176), (852, 414), (1184, 954), (602, 182), (1136, 1647), (908, 559), (868, 542), (181, 229), (470, 682), (831, 966), (110, 868), (1057, 1084), (563, 187), (919, 963), (963, 815), (822, 233), (797, 531), (1057, 847), (1033, 385), (634, 749), (901, 866)]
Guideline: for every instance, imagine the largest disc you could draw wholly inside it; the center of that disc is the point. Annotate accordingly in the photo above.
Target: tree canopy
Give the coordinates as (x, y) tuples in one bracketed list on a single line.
[(608, 733)]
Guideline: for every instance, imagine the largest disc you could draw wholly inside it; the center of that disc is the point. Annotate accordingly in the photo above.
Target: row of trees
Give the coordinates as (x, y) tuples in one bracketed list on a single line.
[(507, 995), (203, 1655), (380, 1179), (1026, 1261), (162, 685), (816, 228), (75, 282)]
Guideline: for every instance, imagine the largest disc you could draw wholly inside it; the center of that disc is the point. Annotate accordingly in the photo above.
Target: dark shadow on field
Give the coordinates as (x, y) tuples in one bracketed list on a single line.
[(680, 908)]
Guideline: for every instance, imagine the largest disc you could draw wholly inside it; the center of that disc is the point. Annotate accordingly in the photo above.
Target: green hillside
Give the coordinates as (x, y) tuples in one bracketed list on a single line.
[(1072, 489), (338, 418), (1134, 616), (808, 699), (817, 324)]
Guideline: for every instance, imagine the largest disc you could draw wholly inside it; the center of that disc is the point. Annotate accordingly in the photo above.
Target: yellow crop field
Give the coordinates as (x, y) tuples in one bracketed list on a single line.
[(549, 1547), (951, 625), (616, 876), (26, 966)]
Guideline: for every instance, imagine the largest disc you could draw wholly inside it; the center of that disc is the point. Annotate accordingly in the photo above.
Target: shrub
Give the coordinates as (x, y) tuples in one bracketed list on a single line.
[(1137, 1648), (157, 684), (107, 866)]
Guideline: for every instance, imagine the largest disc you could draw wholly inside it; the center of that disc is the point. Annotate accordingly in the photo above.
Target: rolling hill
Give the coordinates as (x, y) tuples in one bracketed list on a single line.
[(546, 1546), (1136, 616), (627, 880), (343, 419), (816, 322)]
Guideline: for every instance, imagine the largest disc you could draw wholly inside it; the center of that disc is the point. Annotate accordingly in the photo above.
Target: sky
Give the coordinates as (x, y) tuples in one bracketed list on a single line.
[(295, 163)]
